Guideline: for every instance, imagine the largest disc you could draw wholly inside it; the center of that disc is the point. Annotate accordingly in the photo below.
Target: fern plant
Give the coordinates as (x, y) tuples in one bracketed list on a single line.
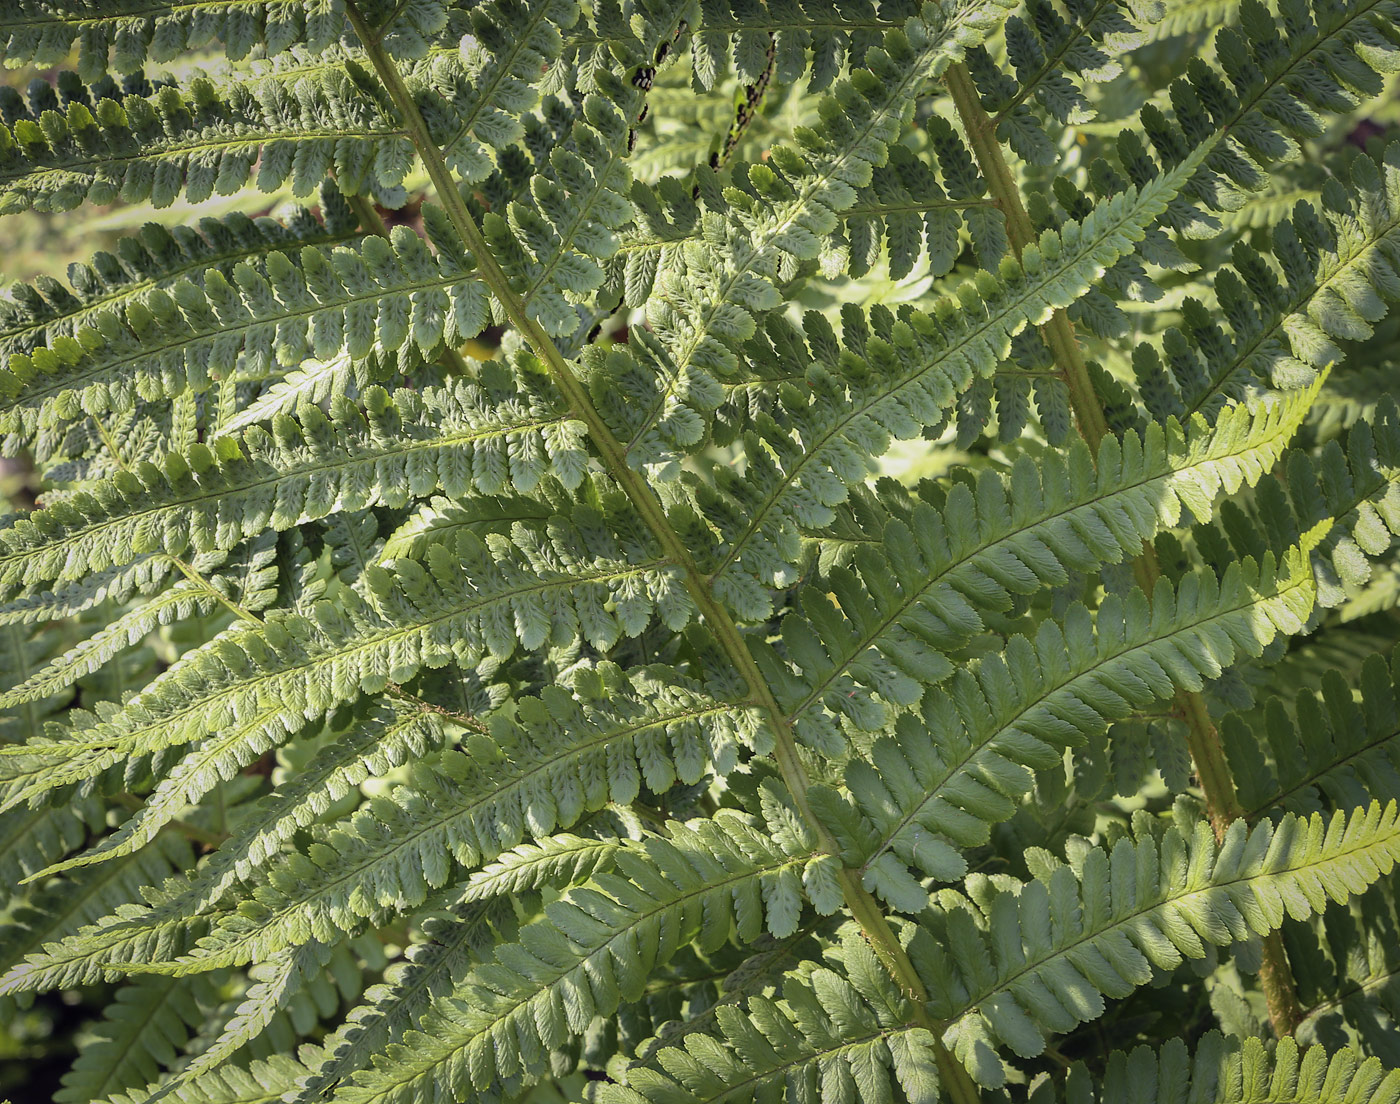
[(891, 599)]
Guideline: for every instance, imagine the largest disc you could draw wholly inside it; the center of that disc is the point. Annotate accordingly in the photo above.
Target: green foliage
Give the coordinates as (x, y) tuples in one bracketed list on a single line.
[(819, 551)]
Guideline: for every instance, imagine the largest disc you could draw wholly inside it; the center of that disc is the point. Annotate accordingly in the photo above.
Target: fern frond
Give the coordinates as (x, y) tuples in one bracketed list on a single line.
[(158, 257), (924, 591), (1047, 51), (384, 450), (1012, 964), (146, 1023), (1348, 969), (559, 860), (1339, 279), (591, 952), (70, 905), (381, 298), (950, 773), (73, 144), (1328, 752), (431, 969), (569, 755), (244, 581), (125, 35), (473, 603), (775, 215), (824, 1041), (1227, 1070)]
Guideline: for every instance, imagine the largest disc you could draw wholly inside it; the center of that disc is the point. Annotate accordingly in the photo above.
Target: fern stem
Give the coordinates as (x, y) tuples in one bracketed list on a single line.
[(863, 906), (1058, 332), (1203, 739)]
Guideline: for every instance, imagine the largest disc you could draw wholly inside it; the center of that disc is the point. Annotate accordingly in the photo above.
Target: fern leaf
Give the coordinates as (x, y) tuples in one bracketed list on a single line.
[(1338, 281), (1330, 753), (383, 451), (1225, 1070), (591, 952), (778, 216), (924, 592), (73, 144), (431, 970), (825, 1041), (35, 957), (144, 1025), (953, 772), (1042, 959), (157, 257), (474, 603), (1047, 51), (381, 298), (570, 756), (125, 35)]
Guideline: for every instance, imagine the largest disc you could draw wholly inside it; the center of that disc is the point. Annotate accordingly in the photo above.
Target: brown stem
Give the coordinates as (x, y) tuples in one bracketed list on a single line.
[(1207, 752)]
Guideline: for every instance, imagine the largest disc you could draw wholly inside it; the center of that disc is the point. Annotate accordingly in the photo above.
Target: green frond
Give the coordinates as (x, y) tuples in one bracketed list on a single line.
[(157, 257), (383, 450), (1348, 971), (31, 839), (473, 603), (1009, 964), (566, 755), (809, 39), (944, 775), (1328, 751), (559, 860), (1048, 52), (774, 216), (824, 1041), (431, 969), (147, 1023), (1185, 17), (264, 1081), (275, 980), (592, 951), (380, 298), (70, 905), (126, 34), (72, 143), (1338, 279), (1225, 1070), (867, 388), (923, 589), (245, 580)]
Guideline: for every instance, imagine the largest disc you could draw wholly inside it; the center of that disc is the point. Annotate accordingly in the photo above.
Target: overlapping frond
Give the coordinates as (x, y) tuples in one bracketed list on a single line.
[(471, 602), (1335, 278), (382, 298), (944, 775), (568, 755), (1008, 964), (156, 257), (1224, 1070), (824, 1041), (384, 450), (593, 950), (1328, 751), (922, 590), (773, 217), (125, 35), (72, 143), (1048, 53)]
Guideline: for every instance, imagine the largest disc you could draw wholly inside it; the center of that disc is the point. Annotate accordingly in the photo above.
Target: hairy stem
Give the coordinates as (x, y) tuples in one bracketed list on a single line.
[(863, 906), (1202, 738)]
